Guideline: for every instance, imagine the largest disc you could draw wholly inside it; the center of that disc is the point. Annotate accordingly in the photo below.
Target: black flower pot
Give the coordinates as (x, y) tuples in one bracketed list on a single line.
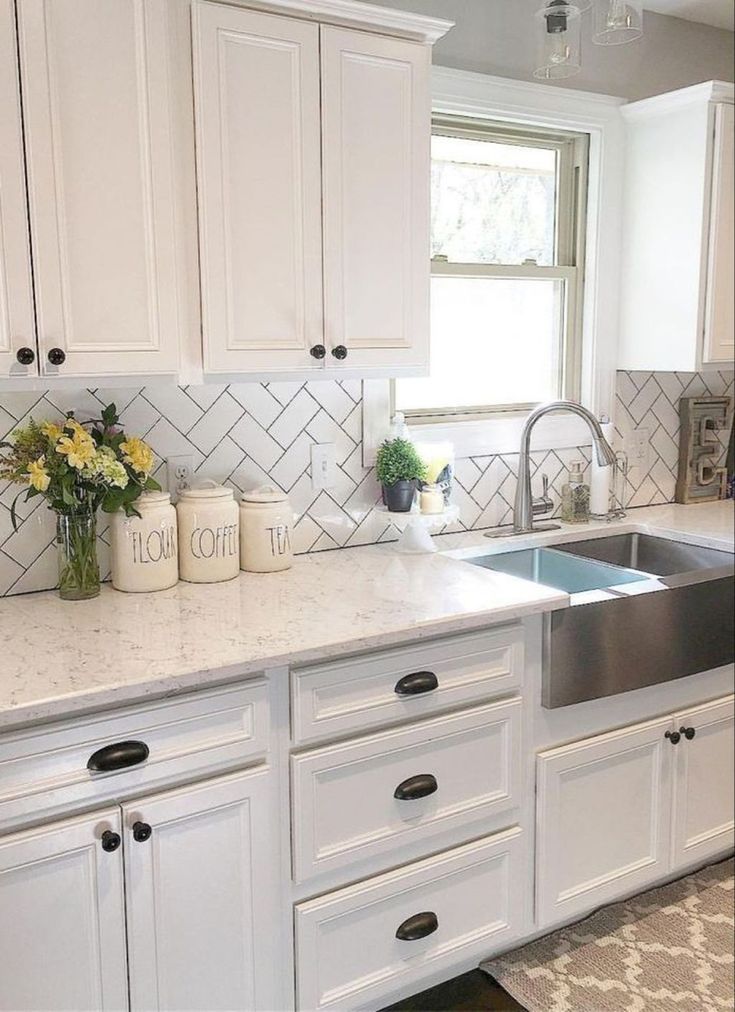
[(399, 497)]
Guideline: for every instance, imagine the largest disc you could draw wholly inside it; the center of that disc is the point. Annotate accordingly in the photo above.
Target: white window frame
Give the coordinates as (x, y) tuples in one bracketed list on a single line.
[(481, 97)]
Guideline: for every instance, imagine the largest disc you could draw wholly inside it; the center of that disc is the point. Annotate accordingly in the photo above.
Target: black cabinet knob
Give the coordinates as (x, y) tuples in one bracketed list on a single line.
[(340, 352), (673, 736), (141, 832), (689, 732), (420, 786), (26, 356), (119, 756), (416, 684), (418, 926), (318, 351), (110, 841), (57, 356)]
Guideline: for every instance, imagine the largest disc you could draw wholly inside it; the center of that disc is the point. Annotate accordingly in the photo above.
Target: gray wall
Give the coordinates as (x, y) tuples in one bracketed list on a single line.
[(498, 37)]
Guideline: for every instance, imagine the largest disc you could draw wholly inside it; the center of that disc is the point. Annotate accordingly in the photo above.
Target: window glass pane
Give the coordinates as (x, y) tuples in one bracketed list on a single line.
[(493, 342), (492, 203)]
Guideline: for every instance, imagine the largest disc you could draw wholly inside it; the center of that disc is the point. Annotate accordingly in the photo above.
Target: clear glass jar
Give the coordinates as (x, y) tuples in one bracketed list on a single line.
[(76, 541), (145, 548), (575, 496), (266, 523), (209, 534)]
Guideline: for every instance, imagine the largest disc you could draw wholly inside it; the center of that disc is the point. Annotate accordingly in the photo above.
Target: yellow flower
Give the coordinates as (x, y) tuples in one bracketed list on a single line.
[(79, 450), (138, 454), (52, 431), (38, 476)]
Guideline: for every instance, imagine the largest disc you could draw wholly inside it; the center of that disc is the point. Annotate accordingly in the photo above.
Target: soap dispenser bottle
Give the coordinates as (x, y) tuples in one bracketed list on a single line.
[(575, 496)]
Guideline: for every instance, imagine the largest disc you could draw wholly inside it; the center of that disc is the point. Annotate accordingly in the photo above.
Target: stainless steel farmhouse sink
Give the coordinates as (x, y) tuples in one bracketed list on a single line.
[(644, 610)]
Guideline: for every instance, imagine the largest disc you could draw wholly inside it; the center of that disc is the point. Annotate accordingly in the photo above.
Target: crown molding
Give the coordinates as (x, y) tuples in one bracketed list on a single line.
[(697, 94), (357, 14)]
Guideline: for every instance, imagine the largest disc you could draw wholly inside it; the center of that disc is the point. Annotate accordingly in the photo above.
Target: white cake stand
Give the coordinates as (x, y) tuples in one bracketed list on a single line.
[(416, 528)]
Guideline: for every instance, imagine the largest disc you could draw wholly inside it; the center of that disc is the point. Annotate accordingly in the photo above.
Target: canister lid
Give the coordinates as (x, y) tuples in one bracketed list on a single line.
[(153, 499), (264, 495), (207, 490)]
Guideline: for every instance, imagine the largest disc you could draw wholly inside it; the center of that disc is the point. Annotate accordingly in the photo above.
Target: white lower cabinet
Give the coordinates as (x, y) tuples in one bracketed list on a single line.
[(618, 811), (360, 944), (704, 785), (62, 917), (199, 891)]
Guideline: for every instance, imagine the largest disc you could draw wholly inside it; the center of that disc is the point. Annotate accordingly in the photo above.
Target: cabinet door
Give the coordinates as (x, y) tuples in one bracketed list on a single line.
[(703, 783), (602, 820), (17, 329), (719, 338), (62, 918), (97, 117), (258, 136), (202, 918), (376, 158)]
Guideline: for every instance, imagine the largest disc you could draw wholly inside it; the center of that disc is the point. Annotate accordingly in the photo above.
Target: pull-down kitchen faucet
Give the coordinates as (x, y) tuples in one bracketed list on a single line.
[(526, 507)]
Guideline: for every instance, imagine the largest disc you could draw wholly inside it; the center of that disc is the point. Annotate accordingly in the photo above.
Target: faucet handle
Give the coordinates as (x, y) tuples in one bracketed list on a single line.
[(545, 486), (544, 504)]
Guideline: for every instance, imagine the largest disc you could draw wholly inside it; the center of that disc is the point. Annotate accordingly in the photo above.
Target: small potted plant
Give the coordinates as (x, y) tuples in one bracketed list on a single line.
[(399, 469), (78, 470)]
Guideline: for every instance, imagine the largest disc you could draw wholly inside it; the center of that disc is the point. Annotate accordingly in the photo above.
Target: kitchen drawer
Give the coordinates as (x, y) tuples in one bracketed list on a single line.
[(44, 770), (345, 796), (473, 897), (353, 695)]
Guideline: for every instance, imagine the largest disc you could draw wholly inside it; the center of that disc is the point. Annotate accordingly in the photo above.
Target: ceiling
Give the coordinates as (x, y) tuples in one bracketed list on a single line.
[(720, 13)]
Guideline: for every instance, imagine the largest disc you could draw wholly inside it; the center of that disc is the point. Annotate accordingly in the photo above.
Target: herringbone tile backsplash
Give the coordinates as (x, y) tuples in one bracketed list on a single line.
[(250, 434)]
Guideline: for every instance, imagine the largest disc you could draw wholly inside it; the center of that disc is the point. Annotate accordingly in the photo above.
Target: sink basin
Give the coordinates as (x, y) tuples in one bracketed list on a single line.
[(664, 610), (657, 556), (560, 570)]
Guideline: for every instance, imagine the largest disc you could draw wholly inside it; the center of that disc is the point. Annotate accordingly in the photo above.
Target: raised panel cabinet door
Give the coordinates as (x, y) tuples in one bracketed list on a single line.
[(98, 122), (704, 784), (256, 82), (62, 917), (719, 338), (17, 327), (602, 820), (201, 897), (376, 114)]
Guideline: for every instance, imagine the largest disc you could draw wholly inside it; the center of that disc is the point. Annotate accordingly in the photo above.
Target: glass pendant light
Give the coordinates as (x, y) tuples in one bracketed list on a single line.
[(618, 21), (559, 41), (582, 5)]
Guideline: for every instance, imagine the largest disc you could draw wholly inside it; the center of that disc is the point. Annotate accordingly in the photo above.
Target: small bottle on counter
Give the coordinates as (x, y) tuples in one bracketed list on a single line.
[(144, 549), (575, 496), (209, 534), (431, 500), (266, 523)]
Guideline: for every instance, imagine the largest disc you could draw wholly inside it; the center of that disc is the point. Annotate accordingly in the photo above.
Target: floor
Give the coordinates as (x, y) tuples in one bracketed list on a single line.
[(473, 992)]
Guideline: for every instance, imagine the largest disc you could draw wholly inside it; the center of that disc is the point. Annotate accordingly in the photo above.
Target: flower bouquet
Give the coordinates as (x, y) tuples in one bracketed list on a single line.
[(78, 469)]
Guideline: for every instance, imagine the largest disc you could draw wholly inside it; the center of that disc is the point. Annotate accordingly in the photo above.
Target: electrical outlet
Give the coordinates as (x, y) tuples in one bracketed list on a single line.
[(638, 448), (323, 465), (180, 471)]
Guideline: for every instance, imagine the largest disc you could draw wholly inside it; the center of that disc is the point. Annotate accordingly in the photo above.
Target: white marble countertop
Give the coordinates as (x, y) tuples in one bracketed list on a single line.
[(60, 658)]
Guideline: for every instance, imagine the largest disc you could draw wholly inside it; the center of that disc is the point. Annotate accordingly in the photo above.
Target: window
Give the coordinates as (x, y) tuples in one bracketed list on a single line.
[(508, 223)]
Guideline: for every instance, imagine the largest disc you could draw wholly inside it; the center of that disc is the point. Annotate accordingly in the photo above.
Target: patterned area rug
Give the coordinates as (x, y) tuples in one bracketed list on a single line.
[(665, 950)]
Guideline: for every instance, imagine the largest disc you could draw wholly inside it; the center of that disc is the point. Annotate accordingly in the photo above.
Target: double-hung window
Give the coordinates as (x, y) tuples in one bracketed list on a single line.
[(507, 233)]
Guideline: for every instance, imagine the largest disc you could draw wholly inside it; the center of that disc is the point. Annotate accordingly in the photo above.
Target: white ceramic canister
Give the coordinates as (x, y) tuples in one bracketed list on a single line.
[(144, 548), (266, 531), (209, 534)]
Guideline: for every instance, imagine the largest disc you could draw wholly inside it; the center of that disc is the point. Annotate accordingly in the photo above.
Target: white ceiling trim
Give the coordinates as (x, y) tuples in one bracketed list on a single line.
[(718, 13)]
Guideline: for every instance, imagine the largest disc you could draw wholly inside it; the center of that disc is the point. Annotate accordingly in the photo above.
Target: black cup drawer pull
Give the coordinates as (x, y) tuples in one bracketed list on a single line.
[(418, 926), (119, 756), (417, 684), (420, 786)]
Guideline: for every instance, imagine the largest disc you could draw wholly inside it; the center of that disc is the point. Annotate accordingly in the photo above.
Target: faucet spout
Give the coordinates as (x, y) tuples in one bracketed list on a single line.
[(523, 511)]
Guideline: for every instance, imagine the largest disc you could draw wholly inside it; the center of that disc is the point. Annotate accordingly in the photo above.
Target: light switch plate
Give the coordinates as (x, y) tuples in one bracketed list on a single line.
[(323, 465)]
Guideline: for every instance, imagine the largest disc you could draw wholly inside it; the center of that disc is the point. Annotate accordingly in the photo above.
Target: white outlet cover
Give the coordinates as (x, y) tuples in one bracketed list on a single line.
[(179, 473)]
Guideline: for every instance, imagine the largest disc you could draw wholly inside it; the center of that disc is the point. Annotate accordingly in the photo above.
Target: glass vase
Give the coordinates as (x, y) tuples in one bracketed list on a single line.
[(79, 571)]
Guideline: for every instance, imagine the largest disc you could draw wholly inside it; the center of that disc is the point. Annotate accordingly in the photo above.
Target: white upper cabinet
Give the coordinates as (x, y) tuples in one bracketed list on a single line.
[(375, 142), (313, 181), (677, 288), (98, 130), (17, 327)]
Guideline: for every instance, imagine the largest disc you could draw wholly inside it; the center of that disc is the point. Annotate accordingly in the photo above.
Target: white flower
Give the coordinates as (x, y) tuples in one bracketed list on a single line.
[(106, 468)]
